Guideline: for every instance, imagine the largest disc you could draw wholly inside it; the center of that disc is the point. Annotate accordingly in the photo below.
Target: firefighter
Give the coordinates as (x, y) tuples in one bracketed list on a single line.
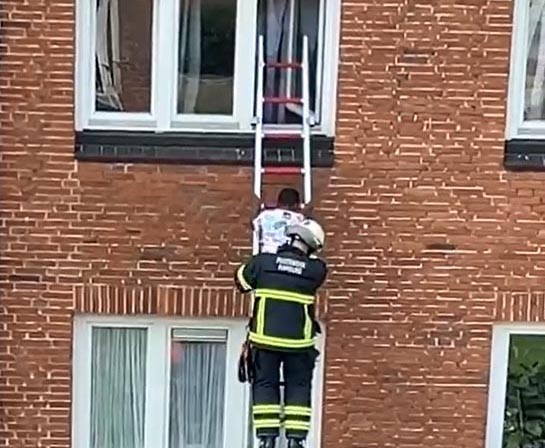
[(282, 332)]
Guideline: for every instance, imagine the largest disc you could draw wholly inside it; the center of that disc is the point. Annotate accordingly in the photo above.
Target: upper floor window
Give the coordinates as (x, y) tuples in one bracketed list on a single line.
[(190, 64), (526, 117)]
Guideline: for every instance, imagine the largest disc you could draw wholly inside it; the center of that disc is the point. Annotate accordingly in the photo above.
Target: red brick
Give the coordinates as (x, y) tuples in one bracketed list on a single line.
[(420, 131)]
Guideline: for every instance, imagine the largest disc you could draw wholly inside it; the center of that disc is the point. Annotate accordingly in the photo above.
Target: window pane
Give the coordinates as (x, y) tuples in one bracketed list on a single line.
[(283, 23), (118, 385), (535, 67), (123, 55), (524, 421), (197, 394), (206, 56)]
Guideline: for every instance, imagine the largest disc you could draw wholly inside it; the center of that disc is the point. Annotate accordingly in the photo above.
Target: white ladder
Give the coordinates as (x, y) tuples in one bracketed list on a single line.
[(261, 133)]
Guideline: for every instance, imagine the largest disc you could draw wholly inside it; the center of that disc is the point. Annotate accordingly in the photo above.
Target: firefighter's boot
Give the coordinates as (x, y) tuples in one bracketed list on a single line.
[(296, 443), (267, 442)]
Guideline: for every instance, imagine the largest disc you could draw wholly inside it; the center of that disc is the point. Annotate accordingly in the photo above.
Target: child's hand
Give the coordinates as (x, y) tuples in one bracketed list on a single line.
[(255, 205), (308, 210)]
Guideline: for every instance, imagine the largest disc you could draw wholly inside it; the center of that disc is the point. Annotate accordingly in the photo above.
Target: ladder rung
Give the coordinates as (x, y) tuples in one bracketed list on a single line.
[(282, 100), (273, 205), (283, 170), (284, 65), (268, 205), (283, 135)]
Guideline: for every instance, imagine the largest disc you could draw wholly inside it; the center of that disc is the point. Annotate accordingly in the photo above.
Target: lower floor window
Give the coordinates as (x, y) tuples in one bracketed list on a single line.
[(516, 414), (155, 384)]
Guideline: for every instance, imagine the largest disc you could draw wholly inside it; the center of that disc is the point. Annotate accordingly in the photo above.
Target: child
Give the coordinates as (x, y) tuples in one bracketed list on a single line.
[(271, 224)]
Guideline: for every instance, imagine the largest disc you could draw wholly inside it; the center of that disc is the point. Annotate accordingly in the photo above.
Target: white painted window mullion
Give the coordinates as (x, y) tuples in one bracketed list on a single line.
[(236, 394), (81, 387), (85, 61), (517, 72), (331, 44), (156, 387), (164, 62), (497, 387), (245, 51), (317, 106)]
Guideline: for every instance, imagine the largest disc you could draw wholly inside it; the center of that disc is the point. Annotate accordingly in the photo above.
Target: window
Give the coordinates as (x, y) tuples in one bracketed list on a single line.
[(157, 384), (150, 383), (516, 412), (168, 65), (526, 115)]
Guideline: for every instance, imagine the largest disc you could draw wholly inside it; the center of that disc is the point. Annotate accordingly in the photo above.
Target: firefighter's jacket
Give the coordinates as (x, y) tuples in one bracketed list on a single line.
[(285, 285)]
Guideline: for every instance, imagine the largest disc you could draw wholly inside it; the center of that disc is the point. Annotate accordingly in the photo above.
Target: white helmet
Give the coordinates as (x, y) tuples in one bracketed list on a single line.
[(310, 232)]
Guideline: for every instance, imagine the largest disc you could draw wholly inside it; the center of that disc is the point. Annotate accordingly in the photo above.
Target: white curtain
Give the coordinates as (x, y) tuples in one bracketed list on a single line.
[(108, 72), (190, 55), (283, 21), (118, 386), (197, 395), (535, 85)]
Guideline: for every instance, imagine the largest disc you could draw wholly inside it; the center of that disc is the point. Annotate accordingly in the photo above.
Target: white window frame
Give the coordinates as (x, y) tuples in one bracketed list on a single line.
[(499, 365), (237, 400), (517, 127), (163, 116)]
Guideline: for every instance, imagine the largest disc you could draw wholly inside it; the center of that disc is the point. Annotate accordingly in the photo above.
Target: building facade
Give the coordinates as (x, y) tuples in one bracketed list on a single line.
[(126, 193)]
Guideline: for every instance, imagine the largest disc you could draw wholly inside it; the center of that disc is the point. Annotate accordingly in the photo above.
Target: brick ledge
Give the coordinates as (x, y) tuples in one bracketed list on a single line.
[(196, 148), (192, 301)]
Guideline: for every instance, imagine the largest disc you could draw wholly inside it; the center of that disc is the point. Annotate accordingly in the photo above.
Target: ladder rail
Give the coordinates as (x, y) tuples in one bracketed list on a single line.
[(291, 40), (259, 130), (258, 143), (307, 181)]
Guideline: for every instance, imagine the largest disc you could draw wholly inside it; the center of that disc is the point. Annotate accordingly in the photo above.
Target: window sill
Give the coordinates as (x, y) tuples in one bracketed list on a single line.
[(195, 148), (525, 155)]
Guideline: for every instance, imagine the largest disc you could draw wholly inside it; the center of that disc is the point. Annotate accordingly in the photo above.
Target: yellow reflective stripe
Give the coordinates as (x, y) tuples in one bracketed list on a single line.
[(267, 423), (281, 342), (298, 410), (308, 325), (261, 408), (241, 279), (289, 296), (260, 325), (294, 424)]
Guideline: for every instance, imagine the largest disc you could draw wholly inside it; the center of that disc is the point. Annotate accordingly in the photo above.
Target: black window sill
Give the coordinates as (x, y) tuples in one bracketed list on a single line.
[(196, 148), (524, 155)]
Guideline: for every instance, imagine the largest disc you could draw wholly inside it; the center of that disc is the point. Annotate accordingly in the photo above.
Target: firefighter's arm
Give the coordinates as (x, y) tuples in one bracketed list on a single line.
[(321, 278), (246, 276), (322, 272)]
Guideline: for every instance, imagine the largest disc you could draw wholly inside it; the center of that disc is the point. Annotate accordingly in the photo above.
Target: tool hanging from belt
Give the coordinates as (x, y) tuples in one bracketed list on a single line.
[(246, 364)]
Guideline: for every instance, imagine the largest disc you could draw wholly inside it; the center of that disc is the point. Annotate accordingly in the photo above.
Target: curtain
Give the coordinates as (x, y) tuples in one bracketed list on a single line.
[(282, 21), (197, 395), (118, 386), (108, 72), (535, 78), (190, 55)]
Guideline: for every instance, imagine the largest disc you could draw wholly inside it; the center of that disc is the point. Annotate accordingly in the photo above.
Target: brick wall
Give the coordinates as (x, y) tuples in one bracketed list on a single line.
[(429, 239)]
